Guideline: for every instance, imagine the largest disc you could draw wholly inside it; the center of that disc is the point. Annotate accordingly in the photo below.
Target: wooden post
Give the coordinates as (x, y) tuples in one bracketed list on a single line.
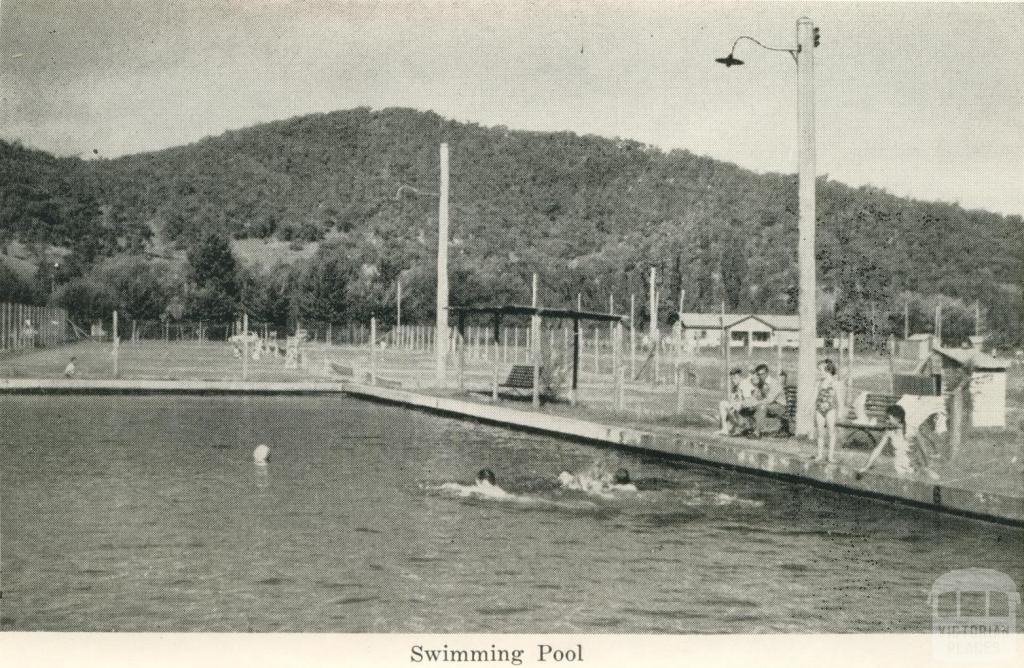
[(653, 327), (632, 337), (849, 361), (117, 345), (373, 350), (906, 319), (725, 350), (496, 358), (977, 318), (504, 345), (938, 324), (565, 342), (442, 272), (778, 354), (535, 352), (398, 305), (611, 311), (597, 350), (245, 346), (515, 347), (956, 419), (575, 359), (617, 365), (461, 345)]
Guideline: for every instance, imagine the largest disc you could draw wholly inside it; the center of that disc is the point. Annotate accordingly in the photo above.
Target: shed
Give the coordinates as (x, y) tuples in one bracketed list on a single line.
[(987, 383)]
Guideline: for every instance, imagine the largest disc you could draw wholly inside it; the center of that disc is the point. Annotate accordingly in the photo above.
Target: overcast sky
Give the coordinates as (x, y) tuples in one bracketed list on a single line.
[(925, 100)]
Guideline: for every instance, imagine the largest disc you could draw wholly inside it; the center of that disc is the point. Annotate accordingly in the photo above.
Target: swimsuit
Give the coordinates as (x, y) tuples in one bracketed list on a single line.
[(827, 400)]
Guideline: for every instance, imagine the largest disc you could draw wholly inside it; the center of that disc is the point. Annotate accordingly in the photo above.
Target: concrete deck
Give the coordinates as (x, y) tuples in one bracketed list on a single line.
[(704, 447)]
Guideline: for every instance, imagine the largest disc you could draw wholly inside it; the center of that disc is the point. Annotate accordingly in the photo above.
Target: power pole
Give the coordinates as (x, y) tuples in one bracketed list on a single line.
[(807, 359), (441, 337)]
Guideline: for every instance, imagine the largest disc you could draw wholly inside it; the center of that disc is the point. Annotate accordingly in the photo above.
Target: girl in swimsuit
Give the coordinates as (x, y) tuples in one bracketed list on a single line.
[(826, 406)]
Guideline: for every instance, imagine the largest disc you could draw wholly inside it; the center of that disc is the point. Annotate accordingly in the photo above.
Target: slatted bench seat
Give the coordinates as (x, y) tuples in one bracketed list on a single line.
[(872, 422), (520, 378)]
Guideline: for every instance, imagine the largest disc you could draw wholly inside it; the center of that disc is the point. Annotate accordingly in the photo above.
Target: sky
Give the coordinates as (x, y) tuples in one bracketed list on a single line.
[(924, 100)]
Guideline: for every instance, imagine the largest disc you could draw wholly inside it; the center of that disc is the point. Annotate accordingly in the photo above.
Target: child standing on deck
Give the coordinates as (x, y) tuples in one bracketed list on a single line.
[(826, 409)]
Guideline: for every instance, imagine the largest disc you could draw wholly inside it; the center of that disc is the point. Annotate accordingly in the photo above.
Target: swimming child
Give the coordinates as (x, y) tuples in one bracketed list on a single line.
[(826, 409), (895, 435), (486, 477), (261, 455)]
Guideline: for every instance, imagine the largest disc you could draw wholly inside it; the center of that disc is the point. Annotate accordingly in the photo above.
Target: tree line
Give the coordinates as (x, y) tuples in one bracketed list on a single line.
[(152, 232)]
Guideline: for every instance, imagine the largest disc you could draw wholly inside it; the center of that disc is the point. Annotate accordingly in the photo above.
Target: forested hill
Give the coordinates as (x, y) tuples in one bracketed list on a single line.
[(590, 214)]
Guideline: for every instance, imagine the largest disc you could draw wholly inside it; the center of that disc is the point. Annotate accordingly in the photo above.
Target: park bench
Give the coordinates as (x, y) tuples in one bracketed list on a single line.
[(520, 379), (867, 416)]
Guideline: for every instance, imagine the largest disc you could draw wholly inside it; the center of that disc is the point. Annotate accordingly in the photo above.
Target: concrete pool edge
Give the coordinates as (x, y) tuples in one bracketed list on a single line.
[(163, 386), (707, 448)]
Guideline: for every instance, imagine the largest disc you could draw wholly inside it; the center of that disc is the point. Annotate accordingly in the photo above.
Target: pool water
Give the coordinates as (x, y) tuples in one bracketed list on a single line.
[(147, 513)]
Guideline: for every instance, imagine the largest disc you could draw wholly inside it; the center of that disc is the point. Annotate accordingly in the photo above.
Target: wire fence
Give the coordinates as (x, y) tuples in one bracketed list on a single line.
[(25, 327), (633, 373)]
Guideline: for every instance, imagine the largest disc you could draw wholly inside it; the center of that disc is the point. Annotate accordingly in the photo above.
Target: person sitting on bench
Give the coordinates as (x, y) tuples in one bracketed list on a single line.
[(769, 401), (741, 393)]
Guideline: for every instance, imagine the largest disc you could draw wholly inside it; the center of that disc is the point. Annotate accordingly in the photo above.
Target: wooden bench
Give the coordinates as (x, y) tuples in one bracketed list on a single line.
[(520, 378), (872, 422)]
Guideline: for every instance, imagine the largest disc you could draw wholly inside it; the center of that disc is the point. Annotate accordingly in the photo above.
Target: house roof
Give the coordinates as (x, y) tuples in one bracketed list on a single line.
[(780, 322), (975, 359), (714, 320)]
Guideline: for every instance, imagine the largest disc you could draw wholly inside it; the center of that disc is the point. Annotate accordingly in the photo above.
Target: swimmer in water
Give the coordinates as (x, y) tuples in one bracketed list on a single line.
[(261, 455), (486, 477)]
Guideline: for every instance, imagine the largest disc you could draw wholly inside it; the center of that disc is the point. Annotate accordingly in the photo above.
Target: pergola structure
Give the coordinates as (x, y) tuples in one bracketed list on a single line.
[(536, 315)]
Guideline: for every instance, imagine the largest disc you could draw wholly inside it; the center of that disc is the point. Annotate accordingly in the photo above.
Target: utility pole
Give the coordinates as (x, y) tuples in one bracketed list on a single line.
[(441, 337), (807, 359), (906, 319)]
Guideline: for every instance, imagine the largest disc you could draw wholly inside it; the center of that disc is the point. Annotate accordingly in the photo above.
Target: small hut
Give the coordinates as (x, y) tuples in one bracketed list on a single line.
[(986, 381)]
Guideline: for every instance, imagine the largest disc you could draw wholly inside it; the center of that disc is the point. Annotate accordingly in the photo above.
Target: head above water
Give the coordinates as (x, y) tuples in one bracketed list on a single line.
[(621, 477), (486, 475)]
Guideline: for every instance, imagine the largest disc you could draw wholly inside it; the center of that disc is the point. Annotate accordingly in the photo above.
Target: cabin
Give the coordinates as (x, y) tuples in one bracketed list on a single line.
[(986, 385), (704, 330)]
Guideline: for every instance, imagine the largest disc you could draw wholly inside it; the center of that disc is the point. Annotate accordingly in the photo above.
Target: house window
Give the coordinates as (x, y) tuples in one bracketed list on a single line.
[(762, 337), (738, 336)]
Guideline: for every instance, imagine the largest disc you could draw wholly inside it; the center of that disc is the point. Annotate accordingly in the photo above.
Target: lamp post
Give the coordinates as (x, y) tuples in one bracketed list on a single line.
[(803, 54)]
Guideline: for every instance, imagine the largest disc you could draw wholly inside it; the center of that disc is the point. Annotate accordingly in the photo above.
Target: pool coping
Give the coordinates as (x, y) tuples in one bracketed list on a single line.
[(163, 386), (710, 449)]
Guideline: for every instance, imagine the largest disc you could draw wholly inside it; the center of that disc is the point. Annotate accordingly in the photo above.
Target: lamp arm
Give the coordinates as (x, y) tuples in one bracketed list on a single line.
[(791, 52)]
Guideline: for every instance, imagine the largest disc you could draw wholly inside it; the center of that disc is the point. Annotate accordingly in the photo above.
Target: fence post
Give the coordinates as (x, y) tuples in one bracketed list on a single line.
[(597, 350), (849, 360), (373, 351), (535, 353), (617, 365), (245, 346), (117, 345)]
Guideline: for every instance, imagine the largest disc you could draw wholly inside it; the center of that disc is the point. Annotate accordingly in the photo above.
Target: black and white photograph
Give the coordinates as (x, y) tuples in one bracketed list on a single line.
[(513, 333)]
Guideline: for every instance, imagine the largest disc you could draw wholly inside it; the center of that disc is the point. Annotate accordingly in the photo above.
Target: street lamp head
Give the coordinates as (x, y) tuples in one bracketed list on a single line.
[(729, 60)]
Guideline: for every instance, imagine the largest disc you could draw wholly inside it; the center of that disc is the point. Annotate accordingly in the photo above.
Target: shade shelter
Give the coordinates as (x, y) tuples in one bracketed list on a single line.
[(537, 314)]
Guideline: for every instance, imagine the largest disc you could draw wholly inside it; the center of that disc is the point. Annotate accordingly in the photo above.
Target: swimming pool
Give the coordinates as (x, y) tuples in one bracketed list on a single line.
[(147, 513)]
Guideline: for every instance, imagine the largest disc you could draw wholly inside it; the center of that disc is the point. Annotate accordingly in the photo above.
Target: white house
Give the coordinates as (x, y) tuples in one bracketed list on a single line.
[(704, 330)]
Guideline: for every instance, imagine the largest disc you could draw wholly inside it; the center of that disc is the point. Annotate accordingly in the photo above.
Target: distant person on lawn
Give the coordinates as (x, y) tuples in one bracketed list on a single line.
[(769, 401), (741, 395), (70, 370)]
